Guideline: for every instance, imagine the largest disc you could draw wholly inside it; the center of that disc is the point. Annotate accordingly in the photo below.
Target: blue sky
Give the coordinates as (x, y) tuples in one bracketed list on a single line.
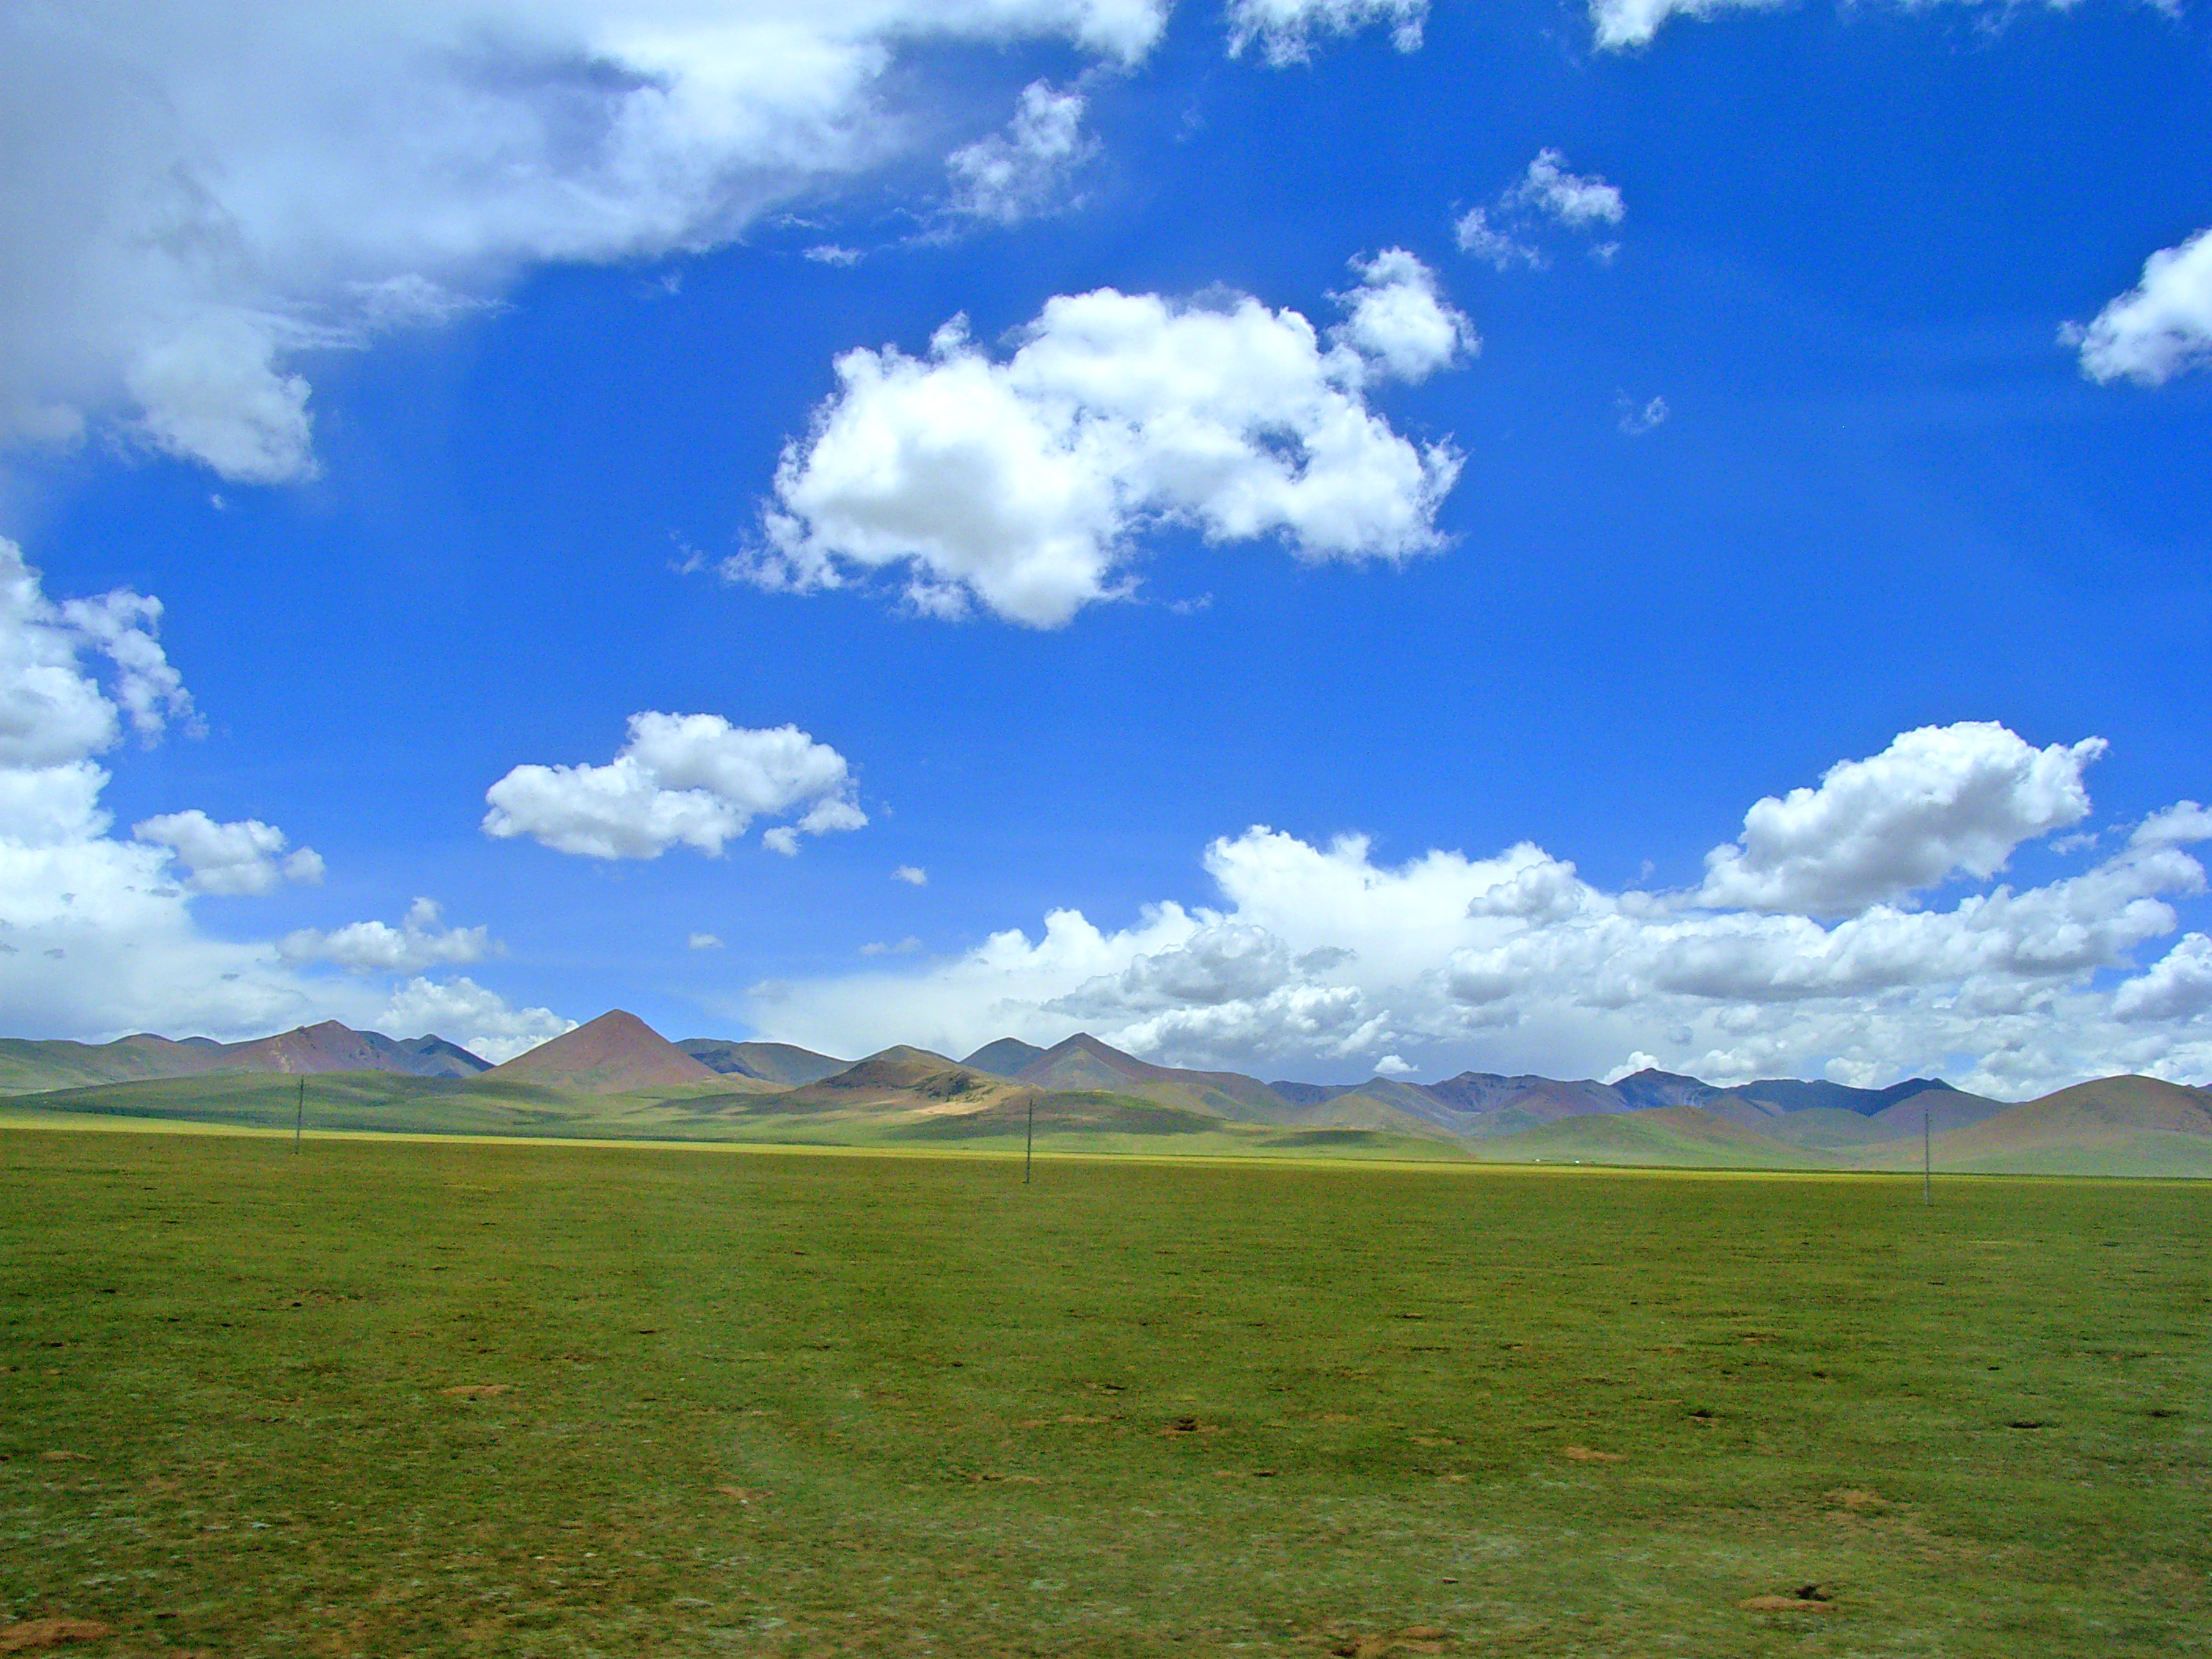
[(1468, 442)]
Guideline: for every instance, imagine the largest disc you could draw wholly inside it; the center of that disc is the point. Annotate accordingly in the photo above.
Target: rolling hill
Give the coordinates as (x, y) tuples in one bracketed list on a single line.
[(616, 1077), (616, 1053), (29, 1066), (1005, 1058), (1083, 1063), (1673, 1137), (769, 1062), (2114, 1126)]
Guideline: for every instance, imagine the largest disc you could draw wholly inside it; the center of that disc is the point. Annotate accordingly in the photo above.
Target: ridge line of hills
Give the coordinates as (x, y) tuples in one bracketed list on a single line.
[(615, 1076)]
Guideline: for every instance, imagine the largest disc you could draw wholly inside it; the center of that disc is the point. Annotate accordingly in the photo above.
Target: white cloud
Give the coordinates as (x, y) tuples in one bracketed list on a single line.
[(906, 946), (1284, 29), (97, 934), (1622, 23), (196, 194), (704, 942), (1572, 198), (52, 712), (363, 946), (912, 874), (1023, 485), (1937, 801), (1318, 957), (461, 1011), (1025, 170), (1394, 1065), (690, 779), (2158, 329), (1503, 233), (1636, 419), (1398, 319), (245, 857), (2179, 985), (1475, 234)]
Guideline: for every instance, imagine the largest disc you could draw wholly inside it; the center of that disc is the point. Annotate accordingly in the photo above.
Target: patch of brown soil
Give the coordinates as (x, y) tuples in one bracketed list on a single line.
[(477, 1390), (1183, 1425), (29, 1633), (746, 1494), (1806, 1598), (1857, 1499), (1584, 1455), (63, 1458), (1413, 1638)]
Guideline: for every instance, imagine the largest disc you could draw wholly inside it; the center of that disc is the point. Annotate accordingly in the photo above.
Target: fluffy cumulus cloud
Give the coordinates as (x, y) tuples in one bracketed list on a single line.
[(97, 932), (1618, 24), (199, 195), (1025, 170), (1938, 801), (1811, 949), (1571, 198), (2159, 328), (1504, 233), (1024, 484), (246, 857), (364, 947), (464, 1011), (1285, 30), (693, 780)]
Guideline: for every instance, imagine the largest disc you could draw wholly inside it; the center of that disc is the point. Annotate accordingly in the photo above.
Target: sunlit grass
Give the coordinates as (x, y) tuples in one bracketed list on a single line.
[(433, 1398)]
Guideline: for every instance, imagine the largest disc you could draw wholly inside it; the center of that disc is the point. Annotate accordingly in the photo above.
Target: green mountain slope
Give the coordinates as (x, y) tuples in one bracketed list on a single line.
[(2114, 1126), (1677, 1137), (1083, 1063), (770, 1062)]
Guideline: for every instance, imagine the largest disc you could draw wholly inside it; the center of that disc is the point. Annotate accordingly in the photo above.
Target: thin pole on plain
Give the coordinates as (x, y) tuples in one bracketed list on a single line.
[(1927, 1157), (299, 1122), (1029, 1142)]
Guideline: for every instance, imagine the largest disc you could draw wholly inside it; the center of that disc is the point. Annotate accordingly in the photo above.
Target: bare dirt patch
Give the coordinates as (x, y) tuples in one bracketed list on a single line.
[(29, 1633), (1857, 1499), (1806, 1598), (746, 1494), (1585, 1455), (1413, 1638), (477, 1390)]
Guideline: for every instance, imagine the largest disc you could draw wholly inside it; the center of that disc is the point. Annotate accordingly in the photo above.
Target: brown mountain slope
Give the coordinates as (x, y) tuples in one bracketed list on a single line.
[(1083, 1063), (615, 1054), (899, 1079), (2127, 1125), (771, 1062), (28, 1066)]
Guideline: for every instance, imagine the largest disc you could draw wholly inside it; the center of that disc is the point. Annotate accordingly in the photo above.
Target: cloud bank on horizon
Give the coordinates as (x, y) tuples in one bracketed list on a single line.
[(97, 934), (1322, 954)]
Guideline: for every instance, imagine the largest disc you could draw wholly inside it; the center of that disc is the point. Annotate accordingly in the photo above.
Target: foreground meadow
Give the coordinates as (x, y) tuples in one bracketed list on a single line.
[(422, 1398)]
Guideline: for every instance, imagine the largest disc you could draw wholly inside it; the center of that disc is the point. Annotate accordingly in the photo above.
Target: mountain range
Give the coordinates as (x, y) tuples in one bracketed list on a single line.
[(616, 1077)]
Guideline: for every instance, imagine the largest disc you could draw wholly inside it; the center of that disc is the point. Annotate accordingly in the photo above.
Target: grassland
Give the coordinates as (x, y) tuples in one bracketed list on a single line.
[(1071, 1121), (442, 1398)]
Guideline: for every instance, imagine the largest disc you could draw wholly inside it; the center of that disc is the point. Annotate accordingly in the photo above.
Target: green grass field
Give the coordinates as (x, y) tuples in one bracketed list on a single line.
[(433, 1398)]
